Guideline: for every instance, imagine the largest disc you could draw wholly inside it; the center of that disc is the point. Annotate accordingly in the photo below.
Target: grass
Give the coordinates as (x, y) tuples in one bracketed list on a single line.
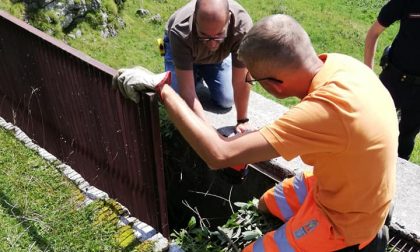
[(41, 210), (334, 26)]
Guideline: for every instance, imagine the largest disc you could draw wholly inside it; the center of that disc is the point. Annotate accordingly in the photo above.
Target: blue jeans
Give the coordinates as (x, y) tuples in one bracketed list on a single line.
[(218, 77)]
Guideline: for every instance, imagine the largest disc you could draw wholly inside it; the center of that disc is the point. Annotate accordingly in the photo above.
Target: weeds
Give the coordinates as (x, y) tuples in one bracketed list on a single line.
[(242, 228)]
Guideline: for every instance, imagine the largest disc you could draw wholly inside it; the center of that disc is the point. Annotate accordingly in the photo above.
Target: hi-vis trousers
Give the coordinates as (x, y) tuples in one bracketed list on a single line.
[(306, 228)]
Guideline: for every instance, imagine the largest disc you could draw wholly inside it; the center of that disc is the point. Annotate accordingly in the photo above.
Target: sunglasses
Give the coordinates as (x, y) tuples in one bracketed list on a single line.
[(251, 81)]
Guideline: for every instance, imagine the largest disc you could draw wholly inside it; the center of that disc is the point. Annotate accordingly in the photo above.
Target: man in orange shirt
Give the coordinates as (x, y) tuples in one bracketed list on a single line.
[(345, 127)]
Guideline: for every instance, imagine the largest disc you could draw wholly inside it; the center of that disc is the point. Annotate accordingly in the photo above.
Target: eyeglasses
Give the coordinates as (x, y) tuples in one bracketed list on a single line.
[(219, 38), (254, 81), (208, 39)]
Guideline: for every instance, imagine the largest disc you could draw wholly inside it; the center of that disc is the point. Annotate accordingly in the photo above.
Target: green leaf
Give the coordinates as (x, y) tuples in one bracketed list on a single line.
[(251, 235), (240, 204), (192, 223)]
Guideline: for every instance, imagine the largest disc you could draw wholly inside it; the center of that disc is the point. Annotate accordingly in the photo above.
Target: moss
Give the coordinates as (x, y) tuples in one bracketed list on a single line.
[(79, 197), (125, 236), (106, 214), (146, 246)]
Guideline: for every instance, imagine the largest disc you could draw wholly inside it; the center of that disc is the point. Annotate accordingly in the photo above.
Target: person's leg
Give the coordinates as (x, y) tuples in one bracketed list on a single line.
[(307, 230), (198, 79), (219, 80), (389, 216), (169, 65), (406, 97), (392, 82), (379, 243), (409, 120), (409, 128), (282, 201), (285, 199)]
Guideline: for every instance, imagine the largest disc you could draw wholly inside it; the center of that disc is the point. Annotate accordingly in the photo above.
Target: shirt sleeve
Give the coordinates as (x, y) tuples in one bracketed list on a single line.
[(245, 24), (235, 60), (309, 127), (391, 12)]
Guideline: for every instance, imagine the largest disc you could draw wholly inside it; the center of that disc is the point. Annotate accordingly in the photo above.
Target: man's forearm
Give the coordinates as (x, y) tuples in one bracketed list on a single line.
[(241, 98), (370, 43), (187, 91), (241, 91), (370, 48), (198, 133), (197, 108)]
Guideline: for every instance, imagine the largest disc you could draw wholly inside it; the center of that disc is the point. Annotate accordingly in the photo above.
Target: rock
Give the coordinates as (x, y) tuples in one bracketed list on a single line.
[(68, 13), (121, 22), (156, 19), (68, 19), (142, 12), (78, 33)]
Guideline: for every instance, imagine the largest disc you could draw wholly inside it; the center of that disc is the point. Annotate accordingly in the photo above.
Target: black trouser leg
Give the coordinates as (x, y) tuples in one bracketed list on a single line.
[(406, 97), (380, 242), (409, 128)]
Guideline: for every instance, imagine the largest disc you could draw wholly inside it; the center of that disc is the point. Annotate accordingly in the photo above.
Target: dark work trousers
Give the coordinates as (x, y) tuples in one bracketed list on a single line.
[(406, 97)]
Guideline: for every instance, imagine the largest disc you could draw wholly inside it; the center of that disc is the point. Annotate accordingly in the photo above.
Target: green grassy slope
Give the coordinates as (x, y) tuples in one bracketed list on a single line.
[(334, 26), (39, 209)]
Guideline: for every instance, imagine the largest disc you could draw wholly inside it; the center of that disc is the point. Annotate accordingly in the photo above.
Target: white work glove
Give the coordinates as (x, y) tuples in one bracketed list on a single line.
[(131, 80)]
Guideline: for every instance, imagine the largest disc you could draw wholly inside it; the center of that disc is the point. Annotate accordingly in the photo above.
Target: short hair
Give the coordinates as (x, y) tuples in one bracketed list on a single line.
[(277, 40)]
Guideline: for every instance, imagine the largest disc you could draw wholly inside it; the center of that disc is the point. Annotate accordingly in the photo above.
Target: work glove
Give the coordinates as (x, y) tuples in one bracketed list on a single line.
[(131, 80)]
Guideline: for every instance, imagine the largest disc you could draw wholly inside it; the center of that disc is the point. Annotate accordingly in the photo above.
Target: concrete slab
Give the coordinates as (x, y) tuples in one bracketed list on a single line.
[(406, 217)]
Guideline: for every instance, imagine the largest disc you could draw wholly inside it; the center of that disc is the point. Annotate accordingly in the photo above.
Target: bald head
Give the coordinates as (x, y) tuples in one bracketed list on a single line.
[(212, 11), (277, 41)]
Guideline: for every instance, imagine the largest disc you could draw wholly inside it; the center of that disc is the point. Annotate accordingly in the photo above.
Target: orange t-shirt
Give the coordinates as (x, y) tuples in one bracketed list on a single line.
[(347, 129)]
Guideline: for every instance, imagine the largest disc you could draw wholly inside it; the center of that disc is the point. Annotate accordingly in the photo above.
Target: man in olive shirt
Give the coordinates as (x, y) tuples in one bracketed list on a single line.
[(201, 42)]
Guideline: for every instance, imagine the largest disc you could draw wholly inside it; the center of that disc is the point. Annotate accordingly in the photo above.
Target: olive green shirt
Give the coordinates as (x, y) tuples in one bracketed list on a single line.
[(188, 50)]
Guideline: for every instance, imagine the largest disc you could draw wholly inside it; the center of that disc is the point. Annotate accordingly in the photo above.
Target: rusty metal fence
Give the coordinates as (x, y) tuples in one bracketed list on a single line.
[(63, 100)]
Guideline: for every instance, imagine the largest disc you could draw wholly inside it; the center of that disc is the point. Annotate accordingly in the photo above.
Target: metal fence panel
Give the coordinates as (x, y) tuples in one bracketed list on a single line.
[(63, 100)]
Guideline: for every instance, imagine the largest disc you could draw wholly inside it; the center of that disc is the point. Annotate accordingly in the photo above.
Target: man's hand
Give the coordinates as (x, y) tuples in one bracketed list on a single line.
[(242, 127), (131, 80)]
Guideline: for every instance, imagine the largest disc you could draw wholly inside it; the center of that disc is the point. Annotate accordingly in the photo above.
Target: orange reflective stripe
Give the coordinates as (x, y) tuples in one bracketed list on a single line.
[(270, 202)]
